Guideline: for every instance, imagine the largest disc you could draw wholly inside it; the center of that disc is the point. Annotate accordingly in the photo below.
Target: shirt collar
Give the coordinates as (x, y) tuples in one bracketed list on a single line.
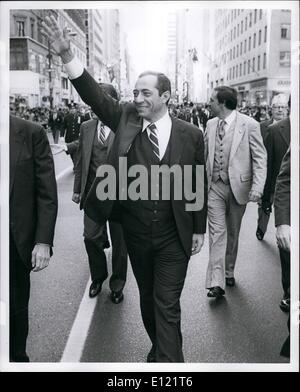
[(229, 119), (162, 123)]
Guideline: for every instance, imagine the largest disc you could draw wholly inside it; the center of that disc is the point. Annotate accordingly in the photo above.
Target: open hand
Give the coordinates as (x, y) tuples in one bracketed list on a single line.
[(58, 38)]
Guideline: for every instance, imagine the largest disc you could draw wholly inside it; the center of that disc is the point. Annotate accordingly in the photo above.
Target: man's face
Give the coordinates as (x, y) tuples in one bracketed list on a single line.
[(214, 104), (279, 110), (146, 97)]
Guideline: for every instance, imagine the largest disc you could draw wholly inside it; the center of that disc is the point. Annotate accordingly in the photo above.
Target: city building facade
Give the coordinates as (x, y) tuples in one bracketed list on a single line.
[(252, 50)]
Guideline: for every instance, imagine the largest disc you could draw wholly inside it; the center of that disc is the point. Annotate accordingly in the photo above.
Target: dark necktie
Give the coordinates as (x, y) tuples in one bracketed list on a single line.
[(101, 134), (221, 129), (153, 139)]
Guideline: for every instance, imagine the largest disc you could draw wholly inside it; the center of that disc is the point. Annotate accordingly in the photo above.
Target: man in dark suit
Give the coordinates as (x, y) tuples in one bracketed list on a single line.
[(160, 234), (33, 210), (282, 207), (95, 142), (280, 107), (72, 123)]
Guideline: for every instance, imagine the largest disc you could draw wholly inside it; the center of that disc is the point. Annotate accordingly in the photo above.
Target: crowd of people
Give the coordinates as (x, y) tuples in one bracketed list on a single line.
[(242, 165)]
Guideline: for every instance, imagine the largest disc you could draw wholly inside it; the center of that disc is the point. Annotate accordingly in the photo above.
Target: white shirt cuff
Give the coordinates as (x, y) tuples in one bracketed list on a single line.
[(74, 68)]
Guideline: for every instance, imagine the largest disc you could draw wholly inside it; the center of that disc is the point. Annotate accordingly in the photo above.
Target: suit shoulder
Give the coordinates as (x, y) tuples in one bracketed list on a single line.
[(19, 124), (212, 121), (186, 125), (249, 120)]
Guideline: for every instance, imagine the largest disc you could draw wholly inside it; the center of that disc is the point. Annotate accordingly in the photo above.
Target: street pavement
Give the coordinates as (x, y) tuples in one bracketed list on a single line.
[(246, 326)]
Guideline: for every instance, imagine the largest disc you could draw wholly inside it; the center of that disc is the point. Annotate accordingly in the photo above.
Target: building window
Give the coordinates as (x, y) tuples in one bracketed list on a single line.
[(242, 27), (253, 64), (260, 14), (238, 29), (237, 71), (249, 46), (234, 34), (244, 67), (64, 83), (255, 16), (254, 40), (241, 48), (237, 50), (246, 22), (265, 61), (248, 66), (258, 63), (234, 52), (241, 69), (234, 14), (250, 20), (231, 35), (230, 54), (285, 59), (259, 37), (232, 72), (266, 32), (20, 28), (285, 31), (32, 30), (245, 46)]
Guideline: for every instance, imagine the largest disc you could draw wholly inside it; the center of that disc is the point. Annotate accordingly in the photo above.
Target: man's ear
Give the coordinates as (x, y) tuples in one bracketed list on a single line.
[(165, 96)]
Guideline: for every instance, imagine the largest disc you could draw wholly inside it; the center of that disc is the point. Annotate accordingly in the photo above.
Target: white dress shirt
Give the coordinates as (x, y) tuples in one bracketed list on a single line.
[(229, 120), (163, 132)]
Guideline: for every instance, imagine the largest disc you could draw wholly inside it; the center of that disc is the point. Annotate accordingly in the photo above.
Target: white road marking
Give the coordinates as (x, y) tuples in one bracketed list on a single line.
[(64, 173), (80, 328)]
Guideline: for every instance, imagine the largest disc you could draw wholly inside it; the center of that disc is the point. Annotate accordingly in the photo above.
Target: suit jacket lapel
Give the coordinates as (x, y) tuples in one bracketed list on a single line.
[(16, 142), (87, 145), (177, 142), (127, 135), (239, 131), (212, 143)]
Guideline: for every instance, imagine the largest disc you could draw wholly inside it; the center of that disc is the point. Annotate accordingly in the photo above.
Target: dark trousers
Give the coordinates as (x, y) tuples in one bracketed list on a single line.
[(55, 134), (159, 265), (95, 239), (19, 291), (285, 271)]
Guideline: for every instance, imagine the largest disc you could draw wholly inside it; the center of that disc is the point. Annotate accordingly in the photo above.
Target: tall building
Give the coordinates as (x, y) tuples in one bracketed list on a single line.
[(94, 31), (112, 54), (36, 74), (253, 52)]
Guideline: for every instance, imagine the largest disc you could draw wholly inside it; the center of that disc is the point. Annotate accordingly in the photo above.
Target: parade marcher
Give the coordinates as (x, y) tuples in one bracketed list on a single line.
[(282, 210), (236, 163), (275, 153), (160, 234), (55, 122), (95, 142), (72, 122), (33, 211)]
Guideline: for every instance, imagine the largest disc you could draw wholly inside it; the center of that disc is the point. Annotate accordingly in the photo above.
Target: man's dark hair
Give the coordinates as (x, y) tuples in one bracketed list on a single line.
[(163, 82), (110, 90), (228, 96)]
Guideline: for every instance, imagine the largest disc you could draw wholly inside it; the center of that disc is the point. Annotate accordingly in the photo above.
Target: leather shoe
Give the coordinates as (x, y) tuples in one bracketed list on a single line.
[(230, 282), (285, 305), (259, 234), (95, 288), (116, 296), (151, 355), (215, 292)]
